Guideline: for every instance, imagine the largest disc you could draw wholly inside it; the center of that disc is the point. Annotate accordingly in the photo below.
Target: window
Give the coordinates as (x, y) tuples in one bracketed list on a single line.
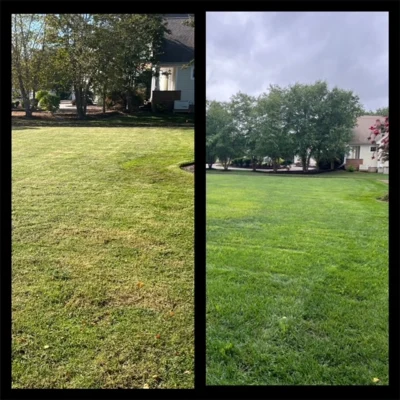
[(373, 148), (355, 152), (192, 76)]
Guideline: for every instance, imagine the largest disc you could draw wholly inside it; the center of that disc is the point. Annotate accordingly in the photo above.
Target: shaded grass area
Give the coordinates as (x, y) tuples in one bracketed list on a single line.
[(102, 279), (117, 119), (297, 279)]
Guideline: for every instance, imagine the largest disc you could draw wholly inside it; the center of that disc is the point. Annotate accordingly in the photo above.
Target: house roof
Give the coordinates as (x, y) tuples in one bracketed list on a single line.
[(361, 131), (178, 46)]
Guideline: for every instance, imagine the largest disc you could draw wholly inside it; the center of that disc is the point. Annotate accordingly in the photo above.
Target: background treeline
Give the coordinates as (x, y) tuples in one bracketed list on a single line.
[(303, 120), (110, 54)]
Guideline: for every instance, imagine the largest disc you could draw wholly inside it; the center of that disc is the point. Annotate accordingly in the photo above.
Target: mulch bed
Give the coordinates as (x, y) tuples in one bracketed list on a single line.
[(189, 168), (64, 114)]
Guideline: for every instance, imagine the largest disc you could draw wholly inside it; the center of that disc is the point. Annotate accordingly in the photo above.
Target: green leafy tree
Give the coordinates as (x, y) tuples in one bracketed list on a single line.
[(337, 116), (220, 137), (242, 108), (74, 36), (190, 22), (275, 140), (140, 39), (27, 50), (379, 111), (321, 120)]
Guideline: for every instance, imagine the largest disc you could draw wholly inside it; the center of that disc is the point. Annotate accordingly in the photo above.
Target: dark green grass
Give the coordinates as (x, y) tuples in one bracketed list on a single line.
[(297, 279), (102, 286)]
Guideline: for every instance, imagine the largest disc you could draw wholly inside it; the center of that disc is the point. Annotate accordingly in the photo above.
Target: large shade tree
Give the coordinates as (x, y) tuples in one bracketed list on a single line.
[(274, 139), (221, 141), (105, 51), (242, 109), (28, 39), (307, 120)]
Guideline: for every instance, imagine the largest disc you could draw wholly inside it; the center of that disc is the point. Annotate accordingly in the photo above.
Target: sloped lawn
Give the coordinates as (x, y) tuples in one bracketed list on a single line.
[(297, 279), (102, 287)]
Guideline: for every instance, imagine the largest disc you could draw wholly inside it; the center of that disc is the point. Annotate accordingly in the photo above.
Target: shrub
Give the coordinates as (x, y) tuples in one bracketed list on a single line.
[(49, 102), (237, 162), (161, 108), (246, 162), (351, 168), (40, 94)]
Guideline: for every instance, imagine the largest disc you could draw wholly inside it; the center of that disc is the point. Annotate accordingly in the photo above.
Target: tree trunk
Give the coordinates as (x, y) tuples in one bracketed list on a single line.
[(209, 166), (304, 163), (104, 99), (78, 101), (25, 98), (332, 164), (225, 164), (275, 165), (129, 101), (254, 164)]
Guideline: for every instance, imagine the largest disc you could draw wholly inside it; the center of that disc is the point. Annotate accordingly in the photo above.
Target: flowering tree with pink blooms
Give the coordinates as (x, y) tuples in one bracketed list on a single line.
[(380, 134)]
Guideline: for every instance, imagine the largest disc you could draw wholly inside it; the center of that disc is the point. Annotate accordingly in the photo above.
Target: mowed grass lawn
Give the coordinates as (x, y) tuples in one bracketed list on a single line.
[(297, 279), (102, 258)]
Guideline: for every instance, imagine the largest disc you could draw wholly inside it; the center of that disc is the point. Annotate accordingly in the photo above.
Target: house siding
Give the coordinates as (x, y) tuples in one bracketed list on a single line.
[(185, 84), (366, 156)]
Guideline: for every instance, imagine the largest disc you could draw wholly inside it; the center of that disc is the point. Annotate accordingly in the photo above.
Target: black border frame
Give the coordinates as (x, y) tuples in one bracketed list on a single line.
[(392, 391)]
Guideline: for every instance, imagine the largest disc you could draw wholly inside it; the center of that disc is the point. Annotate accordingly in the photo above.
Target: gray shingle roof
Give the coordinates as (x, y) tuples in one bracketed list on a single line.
[(361, 131), (178, 45)]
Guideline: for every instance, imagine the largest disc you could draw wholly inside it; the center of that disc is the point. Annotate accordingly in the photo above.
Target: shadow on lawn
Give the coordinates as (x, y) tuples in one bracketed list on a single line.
[(113, 120), (18, 128)]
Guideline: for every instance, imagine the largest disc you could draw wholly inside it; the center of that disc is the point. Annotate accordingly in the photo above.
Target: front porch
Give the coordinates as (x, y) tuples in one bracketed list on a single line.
[(164, 89)]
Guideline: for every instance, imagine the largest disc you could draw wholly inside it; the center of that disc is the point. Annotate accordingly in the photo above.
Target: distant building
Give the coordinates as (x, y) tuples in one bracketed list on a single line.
[(362, 150)]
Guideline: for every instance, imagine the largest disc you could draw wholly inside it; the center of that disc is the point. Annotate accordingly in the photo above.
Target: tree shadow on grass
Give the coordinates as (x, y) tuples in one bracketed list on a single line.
[(18, 128), (122, 121)]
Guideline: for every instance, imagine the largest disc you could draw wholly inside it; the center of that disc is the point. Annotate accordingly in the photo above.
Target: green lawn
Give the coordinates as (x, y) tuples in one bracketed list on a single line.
[(103, 268), (297, 279)]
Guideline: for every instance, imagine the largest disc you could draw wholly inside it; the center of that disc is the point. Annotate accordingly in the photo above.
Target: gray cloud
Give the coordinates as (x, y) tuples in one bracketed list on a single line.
[(249, 51)]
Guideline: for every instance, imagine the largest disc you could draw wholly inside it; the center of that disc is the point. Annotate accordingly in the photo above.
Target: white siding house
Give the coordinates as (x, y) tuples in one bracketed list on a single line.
[(174, 78), (363, 153)]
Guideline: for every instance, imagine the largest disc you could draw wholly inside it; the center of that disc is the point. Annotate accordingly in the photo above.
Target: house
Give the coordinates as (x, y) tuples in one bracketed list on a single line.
[(174, 79), (363, 153)]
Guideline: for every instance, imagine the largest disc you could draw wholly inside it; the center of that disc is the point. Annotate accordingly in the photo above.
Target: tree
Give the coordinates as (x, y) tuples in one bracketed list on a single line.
[(190, 22), (140, 39), (242, 109), (379, 111), (338, 112), (220, 138), (28, 41), (274, 139), (321, 120), (74, 36)]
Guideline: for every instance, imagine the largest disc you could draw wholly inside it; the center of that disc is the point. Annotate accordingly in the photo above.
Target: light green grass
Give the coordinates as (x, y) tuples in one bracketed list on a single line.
[(96, 211), (297, 279)]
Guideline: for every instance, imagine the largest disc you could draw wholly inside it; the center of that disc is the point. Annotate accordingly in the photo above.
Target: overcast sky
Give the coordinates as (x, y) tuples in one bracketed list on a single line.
[(248, 51)]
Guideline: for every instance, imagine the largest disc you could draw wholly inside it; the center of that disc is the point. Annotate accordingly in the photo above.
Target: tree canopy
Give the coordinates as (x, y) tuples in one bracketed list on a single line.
[(307, 120), (84, 51)]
